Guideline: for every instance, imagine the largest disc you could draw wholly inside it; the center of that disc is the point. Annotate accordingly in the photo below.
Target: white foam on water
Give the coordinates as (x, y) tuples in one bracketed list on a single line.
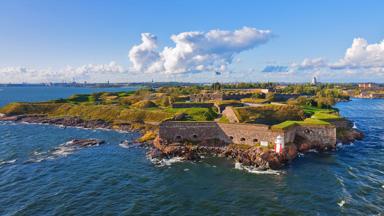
[(186, 170), (354, 125), (165, 161), (62, 150), (128, 145), (313, 150), (342, 146), (7, 162), (254, 170), (300, 154), (341, 203)]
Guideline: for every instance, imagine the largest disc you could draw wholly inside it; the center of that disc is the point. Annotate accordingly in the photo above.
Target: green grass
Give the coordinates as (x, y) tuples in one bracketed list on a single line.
[(269, 114), (195, 114), (254, 100), (223, 119), (325, 116), (28, 108), (308, 121)]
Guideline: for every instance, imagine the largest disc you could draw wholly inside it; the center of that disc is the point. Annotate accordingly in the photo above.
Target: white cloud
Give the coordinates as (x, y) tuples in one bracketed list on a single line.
[(82, 73), (310, 64), (362, 55), (195, 51), (144, 56)]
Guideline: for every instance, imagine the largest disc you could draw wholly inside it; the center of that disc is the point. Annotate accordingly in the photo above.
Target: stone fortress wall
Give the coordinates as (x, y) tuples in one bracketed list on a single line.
[(218, 96), (250, 134)]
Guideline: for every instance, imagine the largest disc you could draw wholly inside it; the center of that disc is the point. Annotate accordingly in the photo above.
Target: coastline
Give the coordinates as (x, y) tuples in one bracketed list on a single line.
[(252, 157)]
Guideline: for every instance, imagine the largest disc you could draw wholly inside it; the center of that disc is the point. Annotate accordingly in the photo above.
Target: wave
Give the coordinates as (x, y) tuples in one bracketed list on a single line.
[(7, 162), (126, 144), (62, 150), (341, 203), (254, 170), (340, 146), (165, 161), (313, 151)]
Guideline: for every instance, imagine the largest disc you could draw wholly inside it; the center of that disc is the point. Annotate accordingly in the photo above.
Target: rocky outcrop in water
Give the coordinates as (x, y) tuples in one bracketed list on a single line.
[(349, 135), (85, 142)]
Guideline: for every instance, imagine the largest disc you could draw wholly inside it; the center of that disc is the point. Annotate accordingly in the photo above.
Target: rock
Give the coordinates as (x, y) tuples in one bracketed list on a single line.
[(85, 142), (349, 135), (291, 152)]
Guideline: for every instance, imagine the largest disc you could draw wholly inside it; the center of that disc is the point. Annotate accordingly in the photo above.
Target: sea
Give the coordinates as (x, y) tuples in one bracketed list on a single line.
[(40, 175)]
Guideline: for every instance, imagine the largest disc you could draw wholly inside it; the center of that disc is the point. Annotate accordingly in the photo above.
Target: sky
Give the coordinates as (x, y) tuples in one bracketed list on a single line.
[(191, 41)]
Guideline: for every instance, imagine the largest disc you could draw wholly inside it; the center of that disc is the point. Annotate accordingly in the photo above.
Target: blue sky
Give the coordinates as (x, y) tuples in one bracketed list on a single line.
[(41, 35)]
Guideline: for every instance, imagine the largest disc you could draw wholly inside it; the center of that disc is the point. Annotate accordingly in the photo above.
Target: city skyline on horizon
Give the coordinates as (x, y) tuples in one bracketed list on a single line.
[(140, 41)]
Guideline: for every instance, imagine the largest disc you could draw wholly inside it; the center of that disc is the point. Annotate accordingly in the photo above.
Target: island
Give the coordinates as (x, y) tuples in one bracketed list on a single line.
[(261, 125)]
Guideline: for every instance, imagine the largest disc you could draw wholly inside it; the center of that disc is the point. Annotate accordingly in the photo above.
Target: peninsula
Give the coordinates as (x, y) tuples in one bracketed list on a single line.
[(262, 125)]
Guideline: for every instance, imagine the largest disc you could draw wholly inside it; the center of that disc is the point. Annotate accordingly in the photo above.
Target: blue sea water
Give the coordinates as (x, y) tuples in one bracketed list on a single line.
[(38, 176)]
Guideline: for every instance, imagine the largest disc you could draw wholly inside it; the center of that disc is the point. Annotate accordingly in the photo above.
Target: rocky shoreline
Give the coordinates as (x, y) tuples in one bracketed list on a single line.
[(253, 156), (260, 158), (67, 121)]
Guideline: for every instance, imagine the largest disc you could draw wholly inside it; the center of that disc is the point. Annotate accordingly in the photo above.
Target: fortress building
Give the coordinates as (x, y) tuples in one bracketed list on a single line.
[(214, 133)]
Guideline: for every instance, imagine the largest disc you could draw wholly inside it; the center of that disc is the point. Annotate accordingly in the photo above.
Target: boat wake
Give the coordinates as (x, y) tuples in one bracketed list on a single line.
[(254, 170)]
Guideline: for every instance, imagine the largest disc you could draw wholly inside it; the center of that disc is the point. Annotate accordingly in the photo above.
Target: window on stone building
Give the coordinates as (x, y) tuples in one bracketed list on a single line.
[(178, 137), (194, 136), (231, 137), (255, 140), (242, 139)]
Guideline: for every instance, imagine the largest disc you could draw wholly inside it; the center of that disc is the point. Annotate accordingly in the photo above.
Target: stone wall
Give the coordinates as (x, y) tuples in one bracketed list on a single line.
[(174, 131), (250, 134), (285, 97), (321, 135), (218, 96), (192, 105), (236, 96)]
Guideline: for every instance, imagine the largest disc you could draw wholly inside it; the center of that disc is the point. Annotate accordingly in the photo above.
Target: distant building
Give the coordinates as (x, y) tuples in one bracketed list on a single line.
[(366, 86), (314, 81)]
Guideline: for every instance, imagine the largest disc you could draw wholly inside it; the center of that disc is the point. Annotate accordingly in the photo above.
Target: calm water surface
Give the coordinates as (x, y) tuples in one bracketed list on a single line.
[(39, 177)]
